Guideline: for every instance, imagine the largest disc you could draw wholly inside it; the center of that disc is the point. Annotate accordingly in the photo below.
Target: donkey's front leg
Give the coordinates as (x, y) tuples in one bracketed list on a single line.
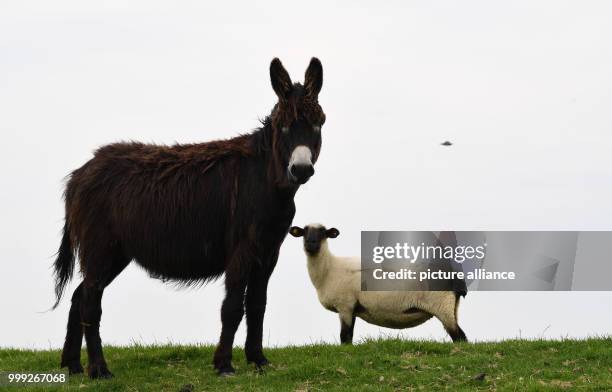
[(232, 311), (256, 298)]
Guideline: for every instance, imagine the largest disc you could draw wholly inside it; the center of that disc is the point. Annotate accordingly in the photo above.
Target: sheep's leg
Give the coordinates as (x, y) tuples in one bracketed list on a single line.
[(447, 314), (456, 333), (347, 324)]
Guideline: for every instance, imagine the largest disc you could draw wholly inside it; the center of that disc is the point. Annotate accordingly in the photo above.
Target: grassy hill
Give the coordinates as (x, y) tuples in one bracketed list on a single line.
[(377, 365)]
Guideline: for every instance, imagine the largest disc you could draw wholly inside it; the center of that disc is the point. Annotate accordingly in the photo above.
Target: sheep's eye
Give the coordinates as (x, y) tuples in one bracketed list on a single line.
[(316, 128)]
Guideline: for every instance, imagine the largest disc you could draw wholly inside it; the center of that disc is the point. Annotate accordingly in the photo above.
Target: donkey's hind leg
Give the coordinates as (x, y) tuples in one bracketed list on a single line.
[(91, 311), (232, 311), (71, 354)]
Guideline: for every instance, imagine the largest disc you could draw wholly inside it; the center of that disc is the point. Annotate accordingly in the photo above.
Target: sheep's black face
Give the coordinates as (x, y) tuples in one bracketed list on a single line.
[(312, 239), (313, 235)]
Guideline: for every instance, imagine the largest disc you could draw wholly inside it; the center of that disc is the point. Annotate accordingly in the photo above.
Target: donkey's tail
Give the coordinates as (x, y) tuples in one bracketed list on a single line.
[(64, 265)]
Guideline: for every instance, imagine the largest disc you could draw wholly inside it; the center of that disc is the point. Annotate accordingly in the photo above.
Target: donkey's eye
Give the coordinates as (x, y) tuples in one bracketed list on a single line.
[(285, 129), (316, 128)]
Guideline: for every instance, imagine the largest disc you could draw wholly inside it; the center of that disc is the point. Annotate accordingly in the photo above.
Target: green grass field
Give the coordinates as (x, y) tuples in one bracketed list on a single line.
[(377, 365)]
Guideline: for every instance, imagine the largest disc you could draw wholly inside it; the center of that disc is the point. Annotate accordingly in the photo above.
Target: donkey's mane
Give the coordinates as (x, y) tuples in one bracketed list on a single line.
[(170, 158)]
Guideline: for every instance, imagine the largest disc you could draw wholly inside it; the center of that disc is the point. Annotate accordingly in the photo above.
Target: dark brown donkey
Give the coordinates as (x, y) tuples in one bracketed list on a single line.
[(190, 213)]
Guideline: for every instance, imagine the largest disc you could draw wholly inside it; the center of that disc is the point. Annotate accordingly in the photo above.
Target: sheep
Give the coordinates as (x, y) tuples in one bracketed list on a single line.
[(338, 284)]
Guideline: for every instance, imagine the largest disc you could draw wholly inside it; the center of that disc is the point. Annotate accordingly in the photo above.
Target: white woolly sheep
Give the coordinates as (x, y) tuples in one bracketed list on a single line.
[(338, 284)]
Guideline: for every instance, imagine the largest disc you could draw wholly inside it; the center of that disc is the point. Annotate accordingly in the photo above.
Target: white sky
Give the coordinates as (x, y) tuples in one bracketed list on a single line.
[(523, 89)]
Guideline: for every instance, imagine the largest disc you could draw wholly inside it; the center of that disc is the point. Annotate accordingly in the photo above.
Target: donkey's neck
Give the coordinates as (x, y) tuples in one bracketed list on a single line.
[(262, 146), (261, 140)]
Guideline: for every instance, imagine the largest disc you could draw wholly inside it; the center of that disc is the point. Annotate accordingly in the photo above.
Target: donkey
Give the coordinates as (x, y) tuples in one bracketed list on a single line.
[(189, 213)]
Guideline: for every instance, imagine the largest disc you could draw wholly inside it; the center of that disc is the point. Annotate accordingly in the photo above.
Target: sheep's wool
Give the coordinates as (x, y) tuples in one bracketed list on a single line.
[(338, 284)]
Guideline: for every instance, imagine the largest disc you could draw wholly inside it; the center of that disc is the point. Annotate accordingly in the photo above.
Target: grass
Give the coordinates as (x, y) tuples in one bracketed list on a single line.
[(376, 365)]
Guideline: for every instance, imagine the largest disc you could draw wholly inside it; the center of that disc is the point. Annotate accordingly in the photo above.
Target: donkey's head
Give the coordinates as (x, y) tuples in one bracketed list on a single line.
[(296, 120)]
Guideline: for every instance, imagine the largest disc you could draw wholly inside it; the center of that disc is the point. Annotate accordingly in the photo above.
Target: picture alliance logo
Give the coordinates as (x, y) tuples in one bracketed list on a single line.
[(427, 253)]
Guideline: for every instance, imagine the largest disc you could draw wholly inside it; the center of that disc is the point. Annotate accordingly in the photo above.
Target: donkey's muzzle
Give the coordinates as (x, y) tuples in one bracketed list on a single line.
[(300, 173)]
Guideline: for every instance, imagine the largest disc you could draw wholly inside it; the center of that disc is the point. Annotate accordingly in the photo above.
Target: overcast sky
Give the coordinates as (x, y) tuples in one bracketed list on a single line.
[(523, 89)]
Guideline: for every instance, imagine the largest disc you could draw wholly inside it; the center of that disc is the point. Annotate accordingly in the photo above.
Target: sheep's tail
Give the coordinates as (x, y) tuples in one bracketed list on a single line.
[(64, 265)]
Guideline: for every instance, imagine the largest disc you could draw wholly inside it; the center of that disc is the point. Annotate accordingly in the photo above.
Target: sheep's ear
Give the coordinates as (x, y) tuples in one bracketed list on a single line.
[(296, 231), (332, 233)]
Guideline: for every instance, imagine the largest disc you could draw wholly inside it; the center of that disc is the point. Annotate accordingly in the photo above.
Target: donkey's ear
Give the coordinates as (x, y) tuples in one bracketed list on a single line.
[(313, 81), (332, 233), (281, 82), (296, 231)]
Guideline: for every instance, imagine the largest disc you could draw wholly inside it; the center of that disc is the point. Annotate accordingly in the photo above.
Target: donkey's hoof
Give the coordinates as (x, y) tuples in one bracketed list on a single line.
[(75, 368), (260, 363), (99, 371), (257, 357), (226, 371)]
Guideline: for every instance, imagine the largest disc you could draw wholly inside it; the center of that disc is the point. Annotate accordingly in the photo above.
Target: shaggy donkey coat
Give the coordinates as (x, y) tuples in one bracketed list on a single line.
[(338, 284), (190, 213)]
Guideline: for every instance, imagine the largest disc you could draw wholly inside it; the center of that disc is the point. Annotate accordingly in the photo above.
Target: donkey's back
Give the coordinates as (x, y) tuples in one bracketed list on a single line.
[(164, 207)]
